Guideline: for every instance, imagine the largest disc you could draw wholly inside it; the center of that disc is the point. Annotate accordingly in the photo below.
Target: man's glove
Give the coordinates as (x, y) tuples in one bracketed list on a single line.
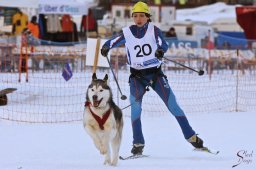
[(104, 51), (159, 53)]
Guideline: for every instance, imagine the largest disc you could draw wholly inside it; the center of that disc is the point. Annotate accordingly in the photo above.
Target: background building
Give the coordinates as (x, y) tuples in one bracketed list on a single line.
[(177, 3)]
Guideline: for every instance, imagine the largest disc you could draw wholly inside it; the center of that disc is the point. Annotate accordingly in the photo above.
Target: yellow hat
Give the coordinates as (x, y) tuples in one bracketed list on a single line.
[(140, 7)]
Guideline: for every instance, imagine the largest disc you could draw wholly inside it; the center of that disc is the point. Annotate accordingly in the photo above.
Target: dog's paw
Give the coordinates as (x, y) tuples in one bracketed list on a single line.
[(114, 162), (107, 161)]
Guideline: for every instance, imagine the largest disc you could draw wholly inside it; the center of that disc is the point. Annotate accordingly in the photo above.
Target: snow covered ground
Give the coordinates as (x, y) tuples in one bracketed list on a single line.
[(68, 147)]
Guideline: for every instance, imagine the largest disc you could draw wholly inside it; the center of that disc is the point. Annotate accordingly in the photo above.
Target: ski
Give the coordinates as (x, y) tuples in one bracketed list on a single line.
[(133, 157), (205, 149)]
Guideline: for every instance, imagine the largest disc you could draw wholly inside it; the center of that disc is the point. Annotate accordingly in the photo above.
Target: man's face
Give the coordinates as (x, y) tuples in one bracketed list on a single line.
[(140, 19)]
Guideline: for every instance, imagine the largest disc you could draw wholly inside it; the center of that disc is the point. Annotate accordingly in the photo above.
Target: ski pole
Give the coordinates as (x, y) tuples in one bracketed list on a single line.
[(200, 72), (123, 97)]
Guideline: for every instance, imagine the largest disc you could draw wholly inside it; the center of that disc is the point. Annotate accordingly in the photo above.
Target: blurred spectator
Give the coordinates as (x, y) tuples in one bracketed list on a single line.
[(171, 33), (33, 27), (89, 24), (53, 23), (33, 35), (226, 45), (19, 22), (210, 40), (67, 23)]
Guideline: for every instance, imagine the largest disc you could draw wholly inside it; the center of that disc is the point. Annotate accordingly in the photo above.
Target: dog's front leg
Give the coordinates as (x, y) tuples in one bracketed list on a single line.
[(106, 143), (96, 139), (115, 143), (107, 156)]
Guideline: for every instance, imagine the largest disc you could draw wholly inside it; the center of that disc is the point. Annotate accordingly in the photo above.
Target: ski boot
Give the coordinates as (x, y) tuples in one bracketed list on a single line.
[(196, 141), (137, 149)]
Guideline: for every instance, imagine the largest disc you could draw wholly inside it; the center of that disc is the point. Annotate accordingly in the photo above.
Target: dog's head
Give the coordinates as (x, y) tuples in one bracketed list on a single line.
[(98, 92)]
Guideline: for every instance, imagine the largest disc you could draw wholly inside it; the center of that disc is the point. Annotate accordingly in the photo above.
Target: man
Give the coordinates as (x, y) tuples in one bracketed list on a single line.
[(19, 22)]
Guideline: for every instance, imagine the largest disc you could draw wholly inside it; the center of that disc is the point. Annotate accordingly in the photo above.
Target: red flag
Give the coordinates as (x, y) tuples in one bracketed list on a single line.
[(246, 18)]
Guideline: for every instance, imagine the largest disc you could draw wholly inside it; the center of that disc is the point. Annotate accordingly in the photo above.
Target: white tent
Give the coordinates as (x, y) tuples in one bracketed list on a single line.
[(19, 3), (226, 24), (207, 13)]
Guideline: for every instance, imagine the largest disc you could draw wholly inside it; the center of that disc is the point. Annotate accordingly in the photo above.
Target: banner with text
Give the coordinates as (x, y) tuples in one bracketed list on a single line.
[(72, 9)]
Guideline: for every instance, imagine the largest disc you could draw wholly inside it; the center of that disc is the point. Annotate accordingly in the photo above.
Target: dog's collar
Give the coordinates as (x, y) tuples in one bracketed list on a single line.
[(101, 121)]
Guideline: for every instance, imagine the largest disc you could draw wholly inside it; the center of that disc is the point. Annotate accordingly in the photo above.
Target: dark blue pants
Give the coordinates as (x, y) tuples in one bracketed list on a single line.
[(162, 88)]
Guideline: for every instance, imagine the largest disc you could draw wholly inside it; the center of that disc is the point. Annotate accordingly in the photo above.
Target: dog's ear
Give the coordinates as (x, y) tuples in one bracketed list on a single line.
[(105, 78), (94, 77)]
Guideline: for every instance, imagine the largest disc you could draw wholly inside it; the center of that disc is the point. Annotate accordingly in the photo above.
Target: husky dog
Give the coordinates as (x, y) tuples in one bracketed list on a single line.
[(103, 119)]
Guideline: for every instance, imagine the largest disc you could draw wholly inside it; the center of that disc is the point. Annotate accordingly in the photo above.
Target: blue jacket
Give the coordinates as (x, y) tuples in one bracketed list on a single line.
[(138, 32)]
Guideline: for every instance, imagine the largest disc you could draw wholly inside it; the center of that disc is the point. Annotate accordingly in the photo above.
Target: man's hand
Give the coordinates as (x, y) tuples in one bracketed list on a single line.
[(159, 53), (104, 51)]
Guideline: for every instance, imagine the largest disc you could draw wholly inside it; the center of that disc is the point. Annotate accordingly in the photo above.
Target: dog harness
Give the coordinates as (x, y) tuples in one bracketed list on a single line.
[(101, 121)]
